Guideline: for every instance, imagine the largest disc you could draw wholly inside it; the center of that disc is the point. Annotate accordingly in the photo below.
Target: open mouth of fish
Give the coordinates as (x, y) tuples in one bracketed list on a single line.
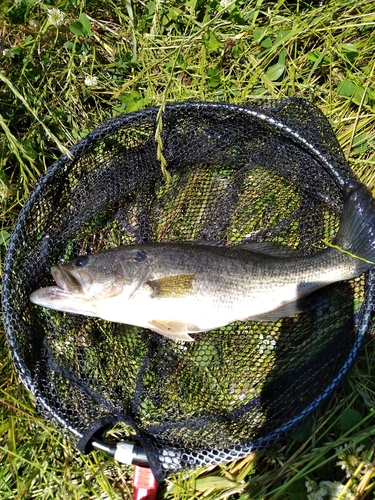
[(68, 293), (68, 283)]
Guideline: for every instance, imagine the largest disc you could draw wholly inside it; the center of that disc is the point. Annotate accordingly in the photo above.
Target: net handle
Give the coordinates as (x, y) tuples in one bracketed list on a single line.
[(145, 486), (126, 452)]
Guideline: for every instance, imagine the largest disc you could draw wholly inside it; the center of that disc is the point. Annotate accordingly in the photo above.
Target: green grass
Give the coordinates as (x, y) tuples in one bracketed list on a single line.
[(137, 54)]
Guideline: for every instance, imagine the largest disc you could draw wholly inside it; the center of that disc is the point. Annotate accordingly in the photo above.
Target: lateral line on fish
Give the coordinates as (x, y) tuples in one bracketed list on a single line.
[(331, 245)]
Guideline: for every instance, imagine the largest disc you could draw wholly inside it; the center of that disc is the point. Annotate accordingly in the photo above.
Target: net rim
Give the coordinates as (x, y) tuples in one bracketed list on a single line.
[(151, 114)]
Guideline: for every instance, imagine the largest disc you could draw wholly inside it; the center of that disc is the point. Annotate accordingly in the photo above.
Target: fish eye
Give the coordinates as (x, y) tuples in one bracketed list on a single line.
[(81, 261)]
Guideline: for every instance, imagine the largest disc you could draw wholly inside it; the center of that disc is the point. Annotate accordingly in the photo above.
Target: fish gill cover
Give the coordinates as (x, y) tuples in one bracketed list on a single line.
[(266, 171)]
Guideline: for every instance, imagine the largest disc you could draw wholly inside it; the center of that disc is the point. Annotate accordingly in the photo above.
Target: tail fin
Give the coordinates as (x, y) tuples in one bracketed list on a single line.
[(356, 233)]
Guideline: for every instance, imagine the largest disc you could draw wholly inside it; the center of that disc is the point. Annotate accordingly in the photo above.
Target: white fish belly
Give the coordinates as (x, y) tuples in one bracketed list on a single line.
[(202, 312)]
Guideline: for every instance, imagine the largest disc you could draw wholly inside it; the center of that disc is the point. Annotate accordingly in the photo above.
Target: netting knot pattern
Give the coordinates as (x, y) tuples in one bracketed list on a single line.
[(269, 171)]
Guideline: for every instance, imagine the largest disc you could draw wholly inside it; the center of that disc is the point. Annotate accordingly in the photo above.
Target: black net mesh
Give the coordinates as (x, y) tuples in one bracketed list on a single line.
[(266, 172)]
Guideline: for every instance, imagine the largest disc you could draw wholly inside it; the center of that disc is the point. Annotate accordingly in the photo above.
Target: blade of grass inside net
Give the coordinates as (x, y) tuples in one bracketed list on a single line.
[(159, 119), (331, 245), (158, 139)]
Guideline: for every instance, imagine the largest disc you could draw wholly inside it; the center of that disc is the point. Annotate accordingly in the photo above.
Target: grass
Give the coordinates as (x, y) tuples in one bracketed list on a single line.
[(60, 80)]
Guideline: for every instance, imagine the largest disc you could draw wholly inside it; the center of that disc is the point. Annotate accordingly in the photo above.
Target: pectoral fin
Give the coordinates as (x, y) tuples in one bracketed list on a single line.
[(178, 285), (173, 329)]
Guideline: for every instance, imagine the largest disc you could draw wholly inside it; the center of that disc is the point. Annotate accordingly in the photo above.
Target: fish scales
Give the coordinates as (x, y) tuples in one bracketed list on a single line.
[(179, 288)]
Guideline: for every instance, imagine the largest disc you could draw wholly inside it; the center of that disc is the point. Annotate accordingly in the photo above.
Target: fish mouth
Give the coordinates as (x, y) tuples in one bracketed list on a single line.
[(48, 295), (55, 298), (67, 282)]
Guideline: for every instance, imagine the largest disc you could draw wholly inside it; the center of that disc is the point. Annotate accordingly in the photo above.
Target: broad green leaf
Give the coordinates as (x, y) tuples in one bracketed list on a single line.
[(303, 431), (282, 34), (84, 20), (238, 49), (191, 4), (81, 27), (349, 89), (133, 100), (4, 237), (349, 49), (4, 177), (266, 43), (214, 79), (29, 149), (360, 95), (346, 88), (282, 57), (68, 45), (371, 94), (317, 57), (77, 28), (360, 145), (275, 71), (150, 7), (258, 33), (349, 418), (314, 55), (211, 42), (259, 91), (174, 13), (297, 490)]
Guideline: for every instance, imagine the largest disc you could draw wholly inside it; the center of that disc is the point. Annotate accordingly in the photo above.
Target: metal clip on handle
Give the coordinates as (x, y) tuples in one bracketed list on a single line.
[(125, 452)]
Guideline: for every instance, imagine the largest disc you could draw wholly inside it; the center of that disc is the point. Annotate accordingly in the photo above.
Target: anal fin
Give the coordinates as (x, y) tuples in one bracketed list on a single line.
[(284, 311), (173, 329)]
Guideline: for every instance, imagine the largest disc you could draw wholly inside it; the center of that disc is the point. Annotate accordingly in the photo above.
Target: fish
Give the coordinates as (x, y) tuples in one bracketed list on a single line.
[(180, 288)]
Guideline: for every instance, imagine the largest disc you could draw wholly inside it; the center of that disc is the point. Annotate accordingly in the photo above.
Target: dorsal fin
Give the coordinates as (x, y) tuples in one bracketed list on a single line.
[(269, 248)]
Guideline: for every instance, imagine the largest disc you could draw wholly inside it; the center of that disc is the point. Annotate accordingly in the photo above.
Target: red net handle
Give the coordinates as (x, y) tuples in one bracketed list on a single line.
[(144, 483)]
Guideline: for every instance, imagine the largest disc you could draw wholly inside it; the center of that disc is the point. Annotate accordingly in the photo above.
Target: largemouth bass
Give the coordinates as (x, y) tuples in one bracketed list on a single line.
[(180, 288)]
